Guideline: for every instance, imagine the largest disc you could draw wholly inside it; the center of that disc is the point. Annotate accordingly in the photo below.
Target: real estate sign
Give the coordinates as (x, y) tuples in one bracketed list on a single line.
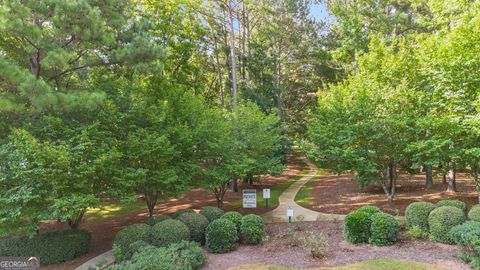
[(249, 198)]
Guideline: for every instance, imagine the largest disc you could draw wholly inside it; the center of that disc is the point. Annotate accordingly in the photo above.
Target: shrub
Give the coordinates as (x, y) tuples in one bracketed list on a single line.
[(221, 236), (211, 212), (138, 245), (127, 236), (417, 232), (234, 217), (417, 213), (357, 227), (369, 209), (197, 224), (467, 237), (51, 247), (168, 232), (181, 211), (316, 243), (252, 229), (156, 219), (455, 203), (179, 256), (441, 220), (474, 213), (383, 229)]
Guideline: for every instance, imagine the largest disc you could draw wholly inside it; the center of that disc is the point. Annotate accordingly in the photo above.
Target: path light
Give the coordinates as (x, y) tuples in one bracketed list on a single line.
[(289, 214)]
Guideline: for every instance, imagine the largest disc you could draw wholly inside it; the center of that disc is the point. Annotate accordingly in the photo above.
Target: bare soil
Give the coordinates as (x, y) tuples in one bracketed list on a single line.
[(340, 252), (104, 231), (340, 194)]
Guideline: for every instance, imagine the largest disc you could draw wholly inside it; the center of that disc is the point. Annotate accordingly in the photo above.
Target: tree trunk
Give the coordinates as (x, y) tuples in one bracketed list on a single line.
[(235, 184), (389, 182), (452, 185), (233, 56), (477, 183), (219, 74), (151, 201), (428, 176), (74, 223)]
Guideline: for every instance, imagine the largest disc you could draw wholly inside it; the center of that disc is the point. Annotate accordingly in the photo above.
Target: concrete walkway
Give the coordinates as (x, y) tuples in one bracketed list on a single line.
[(99, 262), (287, 199)]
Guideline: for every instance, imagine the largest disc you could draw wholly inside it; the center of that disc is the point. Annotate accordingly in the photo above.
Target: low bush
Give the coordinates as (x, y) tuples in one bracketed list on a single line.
[(197, 225), (168, 232), (179, 256), (181, 211), (156, 219), (51, 247), (221, 236), (252, 229), (369, 209), (127, 236), (455, 203), (234, 217), (416, 215), (211, 212), (474, 213), (383, 229), (316, 243), (467, 237), (417, 232), (357, 227), (441, 220)]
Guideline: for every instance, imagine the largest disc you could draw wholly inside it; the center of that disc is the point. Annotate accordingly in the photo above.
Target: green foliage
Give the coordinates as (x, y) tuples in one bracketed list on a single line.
[(51, 247), (252, 229), (416, 232), (357, 227), (197, 225), (156, 219), (474, 213), (467, 237), (178, 256), (455, 203), (211, 213), (182, 211), (168, 232), (137, 246), (383, 229), (370, 210), (127, 236), (234, 217), (441, 220), (416, 215), (221, 236)]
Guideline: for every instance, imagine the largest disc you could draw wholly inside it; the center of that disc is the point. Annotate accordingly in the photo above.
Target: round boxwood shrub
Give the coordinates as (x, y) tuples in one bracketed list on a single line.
[(181, 211), (51, 247), (467, 237), (252, 229), (369, 209), (234, 217), (156, 219), (441, 220), (356, 227), (127, 236), (474, 213), (211, 212), (168, 232), (383, 229), (197, 224), (221, 236), (417, 213), (455, 203), (179, 256)]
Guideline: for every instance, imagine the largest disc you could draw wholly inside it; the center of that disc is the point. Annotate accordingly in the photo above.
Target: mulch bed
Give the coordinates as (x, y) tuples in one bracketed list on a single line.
[(340, 194), (104, 231), (339, 252)]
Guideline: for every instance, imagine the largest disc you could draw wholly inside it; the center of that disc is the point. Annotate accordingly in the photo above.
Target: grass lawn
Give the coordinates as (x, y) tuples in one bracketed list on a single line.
[(113, 209), (379, 264), (304, 197)]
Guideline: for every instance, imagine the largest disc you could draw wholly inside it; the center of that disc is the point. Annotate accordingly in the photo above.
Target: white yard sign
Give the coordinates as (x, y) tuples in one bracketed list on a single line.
[(266, 193), (249, 198)]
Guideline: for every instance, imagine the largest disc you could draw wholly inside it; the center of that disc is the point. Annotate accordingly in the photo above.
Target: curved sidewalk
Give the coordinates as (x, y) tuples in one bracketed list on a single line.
[(287, 199)]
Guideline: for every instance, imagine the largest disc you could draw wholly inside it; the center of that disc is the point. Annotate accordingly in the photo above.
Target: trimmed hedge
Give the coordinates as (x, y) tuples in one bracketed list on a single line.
[(168, 232), (467, 237), (127, 236), (252, 229), (221, 236), (51, 247), (474, 213), (383, 229), (417, 213), (211, 212), (441, 220), (234, 217), (369, 209), (197, 225), (455, 203), (181, 211), (357, 227), (156, 219), (179, 256)]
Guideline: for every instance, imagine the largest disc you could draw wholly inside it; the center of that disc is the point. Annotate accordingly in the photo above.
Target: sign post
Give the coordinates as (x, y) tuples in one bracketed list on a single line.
[(290, 214), (266, 196), (249, 198)]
